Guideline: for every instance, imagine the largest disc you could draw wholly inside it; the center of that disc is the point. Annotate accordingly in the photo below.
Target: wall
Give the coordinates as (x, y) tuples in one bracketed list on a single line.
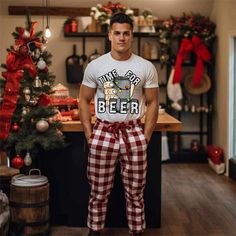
[(61, 47), (224, 15)]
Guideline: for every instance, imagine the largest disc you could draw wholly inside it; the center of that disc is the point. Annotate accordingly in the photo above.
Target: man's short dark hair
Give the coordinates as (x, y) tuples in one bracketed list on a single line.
[(121, 18)]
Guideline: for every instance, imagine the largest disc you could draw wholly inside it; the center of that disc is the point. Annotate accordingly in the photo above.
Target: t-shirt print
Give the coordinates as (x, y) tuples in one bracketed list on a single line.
[(118, 92)]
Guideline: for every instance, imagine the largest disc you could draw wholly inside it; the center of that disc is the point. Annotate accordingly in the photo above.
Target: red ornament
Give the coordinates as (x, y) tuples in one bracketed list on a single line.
[(15, 127), (75, 114), (45, 70), (17, 162), (44, 100)]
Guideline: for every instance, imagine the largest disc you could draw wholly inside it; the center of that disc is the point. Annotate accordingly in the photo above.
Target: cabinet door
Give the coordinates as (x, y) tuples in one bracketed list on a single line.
[(66, 170)]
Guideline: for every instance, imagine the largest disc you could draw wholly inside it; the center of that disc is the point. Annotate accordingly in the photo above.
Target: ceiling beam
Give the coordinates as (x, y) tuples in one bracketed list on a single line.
[(53, 11)]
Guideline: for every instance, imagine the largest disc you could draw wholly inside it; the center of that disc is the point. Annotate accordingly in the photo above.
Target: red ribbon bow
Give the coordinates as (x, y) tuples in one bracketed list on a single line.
[(23, 41), (15, 65), (202, 53)]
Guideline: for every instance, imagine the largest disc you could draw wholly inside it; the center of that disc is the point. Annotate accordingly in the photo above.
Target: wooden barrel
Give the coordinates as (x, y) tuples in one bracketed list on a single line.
[(29, 207)]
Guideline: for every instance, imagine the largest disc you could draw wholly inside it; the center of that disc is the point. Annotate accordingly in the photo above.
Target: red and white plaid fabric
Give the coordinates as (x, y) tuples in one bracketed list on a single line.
[(109, 143)]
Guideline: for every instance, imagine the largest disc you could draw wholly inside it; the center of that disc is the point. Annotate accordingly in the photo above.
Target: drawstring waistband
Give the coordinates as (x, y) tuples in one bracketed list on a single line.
[(116, 127)]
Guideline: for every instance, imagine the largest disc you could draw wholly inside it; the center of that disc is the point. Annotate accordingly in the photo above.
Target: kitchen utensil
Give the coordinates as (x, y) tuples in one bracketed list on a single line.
[(74, 69), (94, 55)]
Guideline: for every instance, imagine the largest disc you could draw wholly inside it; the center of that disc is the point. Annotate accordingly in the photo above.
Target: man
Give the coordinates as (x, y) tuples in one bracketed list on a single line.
[(125, 88)]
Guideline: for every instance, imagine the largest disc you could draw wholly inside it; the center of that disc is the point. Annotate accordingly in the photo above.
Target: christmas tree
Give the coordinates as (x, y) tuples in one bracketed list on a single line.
[(26, 115)]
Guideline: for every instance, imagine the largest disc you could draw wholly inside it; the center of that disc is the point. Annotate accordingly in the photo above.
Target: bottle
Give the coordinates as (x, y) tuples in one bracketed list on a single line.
[(154, 52), (146, 50), (74, 25)]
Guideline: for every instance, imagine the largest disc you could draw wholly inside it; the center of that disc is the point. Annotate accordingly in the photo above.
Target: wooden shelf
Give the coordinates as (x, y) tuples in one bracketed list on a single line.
[(85, 34), (103, 34), (146, 34), (54, 11)]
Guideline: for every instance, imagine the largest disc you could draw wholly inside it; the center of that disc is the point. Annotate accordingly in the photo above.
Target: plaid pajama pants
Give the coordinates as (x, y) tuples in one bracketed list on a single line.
[(111, 142)]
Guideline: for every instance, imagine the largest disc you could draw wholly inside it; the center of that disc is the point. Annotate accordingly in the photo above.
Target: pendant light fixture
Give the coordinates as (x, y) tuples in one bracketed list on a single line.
[(47, 32)]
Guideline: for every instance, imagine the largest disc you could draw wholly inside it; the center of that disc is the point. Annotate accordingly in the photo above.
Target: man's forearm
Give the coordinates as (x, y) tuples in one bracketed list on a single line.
[(85, 95), (151, 117)]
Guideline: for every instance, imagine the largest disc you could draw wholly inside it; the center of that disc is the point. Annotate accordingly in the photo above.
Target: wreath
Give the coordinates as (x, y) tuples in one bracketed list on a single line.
[(186, 26)]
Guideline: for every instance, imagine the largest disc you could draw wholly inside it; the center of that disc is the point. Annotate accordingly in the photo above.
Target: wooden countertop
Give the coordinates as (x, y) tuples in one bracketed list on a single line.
[(165, 122)]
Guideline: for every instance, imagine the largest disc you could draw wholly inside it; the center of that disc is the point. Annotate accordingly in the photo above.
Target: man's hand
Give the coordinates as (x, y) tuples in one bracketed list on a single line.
[(87, 136), (148, 136)]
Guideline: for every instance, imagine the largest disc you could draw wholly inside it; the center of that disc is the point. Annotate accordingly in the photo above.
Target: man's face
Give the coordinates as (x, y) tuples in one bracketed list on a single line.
[(121, 37)]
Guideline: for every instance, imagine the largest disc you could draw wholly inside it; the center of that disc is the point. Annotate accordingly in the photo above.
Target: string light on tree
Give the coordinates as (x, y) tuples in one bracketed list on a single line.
[(24, 111), (26, 91), (15, 127)]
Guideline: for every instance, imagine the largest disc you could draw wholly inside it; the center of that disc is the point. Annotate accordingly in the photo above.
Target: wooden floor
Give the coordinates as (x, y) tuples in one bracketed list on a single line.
[(195, 201)]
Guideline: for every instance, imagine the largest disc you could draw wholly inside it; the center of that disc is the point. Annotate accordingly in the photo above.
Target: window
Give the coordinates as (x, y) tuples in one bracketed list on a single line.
[(232, 98)]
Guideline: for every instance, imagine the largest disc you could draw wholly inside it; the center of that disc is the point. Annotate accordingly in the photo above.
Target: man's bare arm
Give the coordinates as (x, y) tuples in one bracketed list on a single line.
[(151, 115), (85, 96)]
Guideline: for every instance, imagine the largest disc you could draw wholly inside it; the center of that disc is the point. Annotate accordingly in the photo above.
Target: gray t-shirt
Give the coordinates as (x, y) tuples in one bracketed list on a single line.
[(119, 95)]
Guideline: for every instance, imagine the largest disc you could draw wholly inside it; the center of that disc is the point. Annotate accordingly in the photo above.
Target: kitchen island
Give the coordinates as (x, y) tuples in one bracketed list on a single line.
[(69, 189)]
